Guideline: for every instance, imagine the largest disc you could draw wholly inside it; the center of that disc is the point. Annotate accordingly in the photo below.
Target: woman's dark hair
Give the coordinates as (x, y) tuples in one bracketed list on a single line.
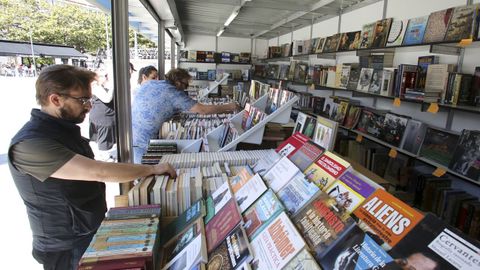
[(145, 71), (177, 75)]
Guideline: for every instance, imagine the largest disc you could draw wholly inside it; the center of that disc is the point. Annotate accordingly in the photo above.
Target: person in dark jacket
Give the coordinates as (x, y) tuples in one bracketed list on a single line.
[(52, 165)]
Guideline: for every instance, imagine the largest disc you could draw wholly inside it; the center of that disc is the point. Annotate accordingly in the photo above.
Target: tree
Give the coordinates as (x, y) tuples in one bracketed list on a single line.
[(58, 23)]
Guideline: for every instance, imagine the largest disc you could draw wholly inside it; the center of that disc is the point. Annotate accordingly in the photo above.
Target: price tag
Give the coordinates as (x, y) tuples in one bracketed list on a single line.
[(397, 102), (433, 108), (359, 138), (393, 153), (465, 42), (439, 172), (312, 86)]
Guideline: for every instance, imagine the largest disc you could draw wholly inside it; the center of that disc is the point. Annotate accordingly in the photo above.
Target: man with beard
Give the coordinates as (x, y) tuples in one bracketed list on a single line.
[(53, 168)]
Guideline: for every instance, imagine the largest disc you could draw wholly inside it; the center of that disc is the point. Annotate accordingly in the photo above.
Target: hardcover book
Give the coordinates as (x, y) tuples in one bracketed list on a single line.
[(365, 79), (423, 63), (322, 223), (331, 44), (232, 252), (280, 174), (437, 25), (415, 30), (349, 41), (326, 169), (344, 76), (393, 128), (397, 32), (353, 76), (368, 33), (197, 210), (466, 159), (387, 217), (222, 224), (386, 88), (413, 136), (438, 245), (439, 145), (352, 116), (376, 83), (462, 24), (261, 213), (382, 28), (277, 244), (325, 133), (296, 193), (241, 178)]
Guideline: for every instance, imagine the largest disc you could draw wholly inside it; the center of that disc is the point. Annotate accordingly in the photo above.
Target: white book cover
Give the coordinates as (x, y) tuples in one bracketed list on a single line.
[(221, 196), (301, 119), (277, 244), (250, 192), (264, 164), (297, 193), (191, 255), (280, 174)]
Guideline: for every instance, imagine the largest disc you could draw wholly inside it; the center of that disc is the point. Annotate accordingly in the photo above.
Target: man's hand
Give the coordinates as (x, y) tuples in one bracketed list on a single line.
[(165, 168)]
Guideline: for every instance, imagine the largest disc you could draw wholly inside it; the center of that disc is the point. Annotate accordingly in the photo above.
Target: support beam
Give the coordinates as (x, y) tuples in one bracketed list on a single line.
[(173, 53), (161, 50), (121, 81)]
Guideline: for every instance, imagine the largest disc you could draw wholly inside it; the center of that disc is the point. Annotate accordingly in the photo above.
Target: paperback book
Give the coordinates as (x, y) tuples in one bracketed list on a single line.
[(280, 174), (439, 145), (232, 252), (326, 170), (297, 193)]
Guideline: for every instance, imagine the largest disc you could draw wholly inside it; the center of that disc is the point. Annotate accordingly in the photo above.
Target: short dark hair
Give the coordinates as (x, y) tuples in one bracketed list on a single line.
[(145, 71), (61, 79), (177, 75)]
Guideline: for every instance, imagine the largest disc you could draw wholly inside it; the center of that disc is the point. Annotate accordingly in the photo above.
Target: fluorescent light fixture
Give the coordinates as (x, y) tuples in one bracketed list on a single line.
[(232, 16), (220, 32)]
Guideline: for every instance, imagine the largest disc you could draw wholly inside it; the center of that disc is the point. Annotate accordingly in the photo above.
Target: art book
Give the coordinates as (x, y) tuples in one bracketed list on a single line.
[(250, 192), (261, 213), (280, 174), (437, 25), (439, 246), (415, 30), (306, 155), (462, 24), (232, 252), (322, 223), (368, 33), (397, 32), (387, 217), (350, 190), (325, 133), (439, 145), (326, 169), (222, 224), (303, 261), (217, 201), (466, 158), (292, 144), (298, 192), (357, 251), (264, 164), (382, 28), (277, 244)]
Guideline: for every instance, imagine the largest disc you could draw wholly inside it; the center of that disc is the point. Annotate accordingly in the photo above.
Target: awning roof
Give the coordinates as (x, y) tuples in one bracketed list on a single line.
[(16, 48)]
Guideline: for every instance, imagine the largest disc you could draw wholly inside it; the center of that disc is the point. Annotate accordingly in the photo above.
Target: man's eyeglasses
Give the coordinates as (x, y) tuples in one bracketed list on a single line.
[(83, 100)]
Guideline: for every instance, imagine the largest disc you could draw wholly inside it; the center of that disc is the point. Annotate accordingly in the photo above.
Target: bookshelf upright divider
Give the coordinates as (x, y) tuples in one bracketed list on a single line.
[(204, 92)]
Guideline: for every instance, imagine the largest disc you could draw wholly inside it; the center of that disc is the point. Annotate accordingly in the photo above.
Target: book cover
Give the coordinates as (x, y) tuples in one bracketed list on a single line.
[(331, 44), (241, 178), (397, 32), (303, 261), (176, 244), (438, 145), (309, 126), (231, 253), (140, 211), (437, 25), (352, 116), (219, 198), (292, 144), (413, 136), (349, 41), (438, 246), (386, 88), (221, 224), (350, 190), (376, 83), (325, 133), (261, 213), (371, 122), (415, 30), (365, 79), (423, 63), (250, 192), (264, 164), (190, 256), (197, 210), (296, 193), (306, 155), (393, 128), (354, 76), (466, 158), (277, 244), (382, 28), (342, 111), (322, 223), (368, 33), (358, 251), (387, 217), (326, 169), (462, 23), (320, 45), (280, 174), (344, 76)]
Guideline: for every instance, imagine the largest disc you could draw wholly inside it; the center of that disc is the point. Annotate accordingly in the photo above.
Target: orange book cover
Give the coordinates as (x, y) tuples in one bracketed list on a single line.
[(387, 217)]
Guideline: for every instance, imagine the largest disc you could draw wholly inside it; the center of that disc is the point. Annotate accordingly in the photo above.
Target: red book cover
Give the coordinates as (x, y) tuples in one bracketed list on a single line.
[(292, 144), (222, 224)]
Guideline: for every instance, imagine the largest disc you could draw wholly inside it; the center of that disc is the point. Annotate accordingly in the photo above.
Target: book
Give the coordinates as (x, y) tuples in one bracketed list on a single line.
[(438, 245), (325, 133), (250, 192), (423, 63), (241, 178), (350, 190), (218, 199), (393, 128), (353, 76), (463, 23), (349, 41), (277, 244), (326, 169), (232, 252), (303, 261), (196, 211), (397, 32), (352, 116), (300, 122), (386, 87), (413, 136), (466, 160), (322, 223), (190, 256), (415, 30), (264, 164), (344, 76), (297, 192), (365, 79), (222, 224), (280, 174), (368, 33), (332, 43), (387, 217), (376, 83), (382, 28), (261, 213), (437, 25), (306, 155), (439, 145), (292, 144), (141, 211)]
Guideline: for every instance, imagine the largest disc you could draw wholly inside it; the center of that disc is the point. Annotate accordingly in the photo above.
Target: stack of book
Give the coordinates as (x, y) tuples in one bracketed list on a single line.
[(156, 149)]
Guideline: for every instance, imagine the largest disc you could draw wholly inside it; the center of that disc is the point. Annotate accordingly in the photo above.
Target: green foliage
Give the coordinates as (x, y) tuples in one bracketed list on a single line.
[(57, 23)]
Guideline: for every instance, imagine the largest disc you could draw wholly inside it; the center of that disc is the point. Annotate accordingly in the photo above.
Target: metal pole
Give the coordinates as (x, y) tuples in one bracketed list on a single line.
[(33, 54), (107, 39), (161, 50), (135, 44), (173, 53), (121, 69)]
